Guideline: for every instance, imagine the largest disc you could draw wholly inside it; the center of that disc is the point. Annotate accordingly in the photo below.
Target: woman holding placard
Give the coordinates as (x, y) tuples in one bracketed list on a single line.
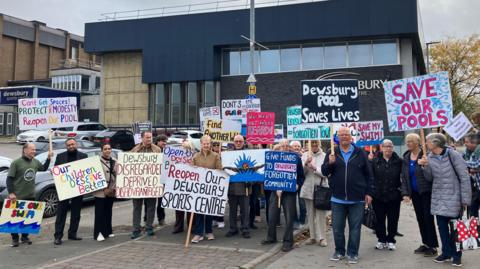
[(104, 198)]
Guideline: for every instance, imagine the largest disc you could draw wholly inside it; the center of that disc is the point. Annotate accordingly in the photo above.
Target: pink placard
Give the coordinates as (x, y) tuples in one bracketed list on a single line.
[(260, 127)]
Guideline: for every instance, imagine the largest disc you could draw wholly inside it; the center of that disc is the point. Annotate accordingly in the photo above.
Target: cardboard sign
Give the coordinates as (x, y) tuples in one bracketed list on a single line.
[(281, 171), (238, 109), (458, 127), (308, 131), (294, 115), (138, 128), (21, 217), (79, 178), (278, 132), (175, 155), (329, 101), (196, 189), (363, 133), (212, 112), (260, 127), (47, 113), (244, 165), (138, 175), (222, 130), (418, 102)]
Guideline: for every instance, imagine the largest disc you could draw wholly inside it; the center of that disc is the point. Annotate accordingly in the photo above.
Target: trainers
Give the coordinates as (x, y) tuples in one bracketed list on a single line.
[(100, 237), (111, 235), (421, 249), (197, 238), (246, 234), (15, 243), (258, 219), (26, 240), (441, 258), (337, 256), (287, 248), (380, 245), (231, 233), (392, 246), (268, 242), (150, 232), (210, 237), (323, 243), (221, 225), (457, 262), (135, 234), (161, 222), (430, 252), (311, 242), (352, 259)]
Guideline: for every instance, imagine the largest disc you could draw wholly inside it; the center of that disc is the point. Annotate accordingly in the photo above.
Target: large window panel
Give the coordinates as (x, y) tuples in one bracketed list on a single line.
[(269, 61), (359, 54), (175, 103), (160, 111), (209, 96), (335, 56), (289, 58), (231, 62), (312, 57), (384, 52), (192, 103)]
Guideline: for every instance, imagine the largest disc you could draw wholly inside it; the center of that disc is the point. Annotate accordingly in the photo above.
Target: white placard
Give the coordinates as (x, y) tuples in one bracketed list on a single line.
[(458, 127), (47, 113)]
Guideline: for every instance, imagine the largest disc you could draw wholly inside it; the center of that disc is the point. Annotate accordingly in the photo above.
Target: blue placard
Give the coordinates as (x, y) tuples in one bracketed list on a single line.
[(280, 171)]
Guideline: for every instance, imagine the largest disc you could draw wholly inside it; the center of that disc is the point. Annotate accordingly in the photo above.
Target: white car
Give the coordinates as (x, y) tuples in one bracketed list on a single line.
[(32, 136), (187, 135), (5, 163)]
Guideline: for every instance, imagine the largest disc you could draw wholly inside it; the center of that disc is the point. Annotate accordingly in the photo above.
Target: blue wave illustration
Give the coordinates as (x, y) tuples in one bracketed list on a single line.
[(20, 227)]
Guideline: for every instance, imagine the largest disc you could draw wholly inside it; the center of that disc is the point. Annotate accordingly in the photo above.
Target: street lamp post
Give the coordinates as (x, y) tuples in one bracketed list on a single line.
[(251, 78)]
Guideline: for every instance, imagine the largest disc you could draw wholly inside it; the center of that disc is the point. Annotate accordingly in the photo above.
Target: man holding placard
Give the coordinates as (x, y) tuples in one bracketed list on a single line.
[(71, 155), (21, 181)]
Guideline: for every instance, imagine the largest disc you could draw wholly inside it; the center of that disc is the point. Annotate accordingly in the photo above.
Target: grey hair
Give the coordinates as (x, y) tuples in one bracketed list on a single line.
[(387, 141), (413, 136), (295, 142), (439, 140)]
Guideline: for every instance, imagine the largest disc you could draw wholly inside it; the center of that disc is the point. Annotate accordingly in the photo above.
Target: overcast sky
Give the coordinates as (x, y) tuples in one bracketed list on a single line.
[(441, 18)]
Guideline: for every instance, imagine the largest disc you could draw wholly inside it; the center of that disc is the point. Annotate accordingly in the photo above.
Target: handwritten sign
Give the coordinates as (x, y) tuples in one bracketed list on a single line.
[(244, 165), (78, 178), (308, 131), (196, 189), (281, 171), (222, 130), (47, 113), (278, 132), (237, 109), (363, 132), (294, 115), (458, 127), (174, 155), (138, 175), (260, 127), (21, 216), (418, 102), (212, 112), (329, 101)]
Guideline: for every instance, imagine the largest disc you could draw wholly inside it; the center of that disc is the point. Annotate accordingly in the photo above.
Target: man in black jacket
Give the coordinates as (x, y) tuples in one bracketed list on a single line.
[(71, 155), (351, 181), (387, 168)]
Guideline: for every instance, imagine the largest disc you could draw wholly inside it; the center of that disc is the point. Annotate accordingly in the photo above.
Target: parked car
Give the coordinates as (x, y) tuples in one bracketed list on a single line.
[(44, 185), (81, 131), (31, 136), (42, 146), (4, 163), (119, 139), (187, 135)]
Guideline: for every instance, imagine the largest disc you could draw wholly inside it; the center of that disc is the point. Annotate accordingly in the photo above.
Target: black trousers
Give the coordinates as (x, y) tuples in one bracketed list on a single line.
[(426, 223), (390, 212), (103, 216), (254, 203), (288, 203), (75, 209), (160, 211), (234, 201), (179, 220)]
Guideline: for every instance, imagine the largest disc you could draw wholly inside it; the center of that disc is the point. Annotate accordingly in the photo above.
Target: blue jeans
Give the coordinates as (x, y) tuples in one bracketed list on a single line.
[(475, 205), (301, 215), (203, 224), (447, 238), (354, 214)]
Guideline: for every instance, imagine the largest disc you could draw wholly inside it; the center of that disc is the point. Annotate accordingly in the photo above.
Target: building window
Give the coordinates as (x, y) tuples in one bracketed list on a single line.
[(209, 94), (289, 58), (385, 52), (335, 56), (312, 57), (158, 106), (231, 62), (175, 103), (269, 61), (192, 101), (73, 53), (359, 54), (85, 83)]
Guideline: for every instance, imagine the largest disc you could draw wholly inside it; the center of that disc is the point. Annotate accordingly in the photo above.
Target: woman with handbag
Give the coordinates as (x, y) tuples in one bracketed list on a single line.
[(104, 198), (451, 191), (315, 184)]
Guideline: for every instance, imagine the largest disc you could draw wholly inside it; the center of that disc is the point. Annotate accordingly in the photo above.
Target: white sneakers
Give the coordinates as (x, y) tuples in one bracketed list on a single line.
[(221, 225), (100, 237), (389, 246), (380, 245)]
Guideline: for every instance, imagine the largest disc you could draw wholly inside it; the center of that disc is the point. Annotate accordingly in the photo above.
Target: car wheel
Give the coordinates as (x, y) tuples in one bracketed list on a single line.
[(50, 197), (41, 138)]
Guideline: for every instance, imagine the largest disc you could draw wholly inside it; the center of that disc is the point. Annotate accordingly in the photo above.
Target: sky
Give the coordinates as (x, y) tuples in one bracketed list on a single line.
[(441, 18)]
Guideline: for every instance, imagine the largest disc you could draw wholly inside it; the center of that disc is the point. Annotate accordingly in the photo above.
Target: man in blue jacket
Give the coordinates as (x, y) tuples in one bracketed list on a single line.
[(351, 181)]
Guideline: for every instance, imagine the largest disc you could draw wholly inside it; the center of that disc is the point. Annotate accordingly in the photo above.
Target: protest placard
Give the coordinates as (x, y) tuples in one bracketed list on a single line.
[(237, 109), (21, 216), (418, 102), (363, 133), (78, 178), (175, 155), (281, 171), (294, 115), (138, 175), (260, 127), (308, 131), (329, 101), (47, 113), (458, 127), (244, 165), (212, 112), (278, 132), (222, 130), (195, 189), (139, 128)]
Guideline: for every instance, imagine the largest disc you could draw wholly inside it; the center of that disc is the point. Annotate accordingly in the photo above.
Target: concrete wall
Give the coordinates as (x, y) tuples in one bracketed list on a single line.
[(124, 98)]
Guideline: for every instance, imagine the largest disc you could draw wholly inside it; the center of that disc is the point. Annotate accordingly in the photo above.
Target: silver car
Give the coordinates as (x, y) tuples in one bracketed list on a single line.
[(44, 185), (82, 130)]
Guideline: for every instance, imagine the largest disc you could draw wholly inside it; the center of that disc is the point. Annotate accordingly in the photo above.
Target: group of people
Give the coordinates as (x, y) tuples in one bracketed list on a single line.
[(439, 183)]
